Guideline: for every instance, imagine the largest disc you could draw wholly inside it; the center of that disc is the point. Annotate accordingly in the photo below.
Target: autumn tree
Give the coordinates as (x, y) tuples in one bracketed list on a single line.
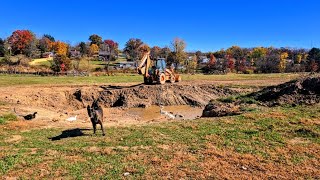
[(198, 54), (178, 51), (314, 54), (155, 52), (2, 47), (220, 54), (313, 66), (165, 52), (95, 39), (112, 48), (270, 63), (283, 61), (132, 48), (257, 53), (61, 63), (211, 65), (83, 48), (93, 50), (45, 44), (48, 36), (230, 63), (60, 48), (20, 40), (192, 64), (143, 49), (314, 59), (32, 48), (298, 58), (212, 59), (238, 54)]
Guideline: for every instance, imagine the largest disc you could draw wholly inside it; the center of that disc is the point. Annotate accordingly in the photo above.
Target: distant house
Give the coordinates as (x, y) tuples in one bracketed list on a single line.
[(47, 55), (203, 60), (103, 55), (74, 53)]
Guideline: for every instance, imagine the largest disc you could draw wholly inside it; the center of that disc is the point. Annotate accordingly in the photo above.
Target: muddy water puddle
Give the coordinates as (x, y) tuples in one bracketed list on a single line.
[(184, 112)]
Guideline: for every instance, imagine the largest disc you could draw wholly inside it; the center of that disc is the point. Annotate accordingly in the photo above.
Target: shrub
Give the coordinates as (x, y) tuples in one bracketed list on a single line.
[(229, 99), (248, 71), (248, 100), (61, 63)]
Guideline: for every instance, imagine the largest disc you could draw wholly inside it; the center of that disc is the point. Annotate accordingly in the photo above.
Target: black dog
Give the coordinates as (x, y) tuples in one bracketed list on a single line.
[(26, 117), (30, 116), (95, 113)]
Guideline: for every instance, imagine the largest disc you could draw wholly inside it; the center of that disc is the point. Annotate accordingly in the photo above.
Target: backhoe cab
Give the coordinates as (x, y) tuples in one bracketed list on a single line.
[(156, 71)]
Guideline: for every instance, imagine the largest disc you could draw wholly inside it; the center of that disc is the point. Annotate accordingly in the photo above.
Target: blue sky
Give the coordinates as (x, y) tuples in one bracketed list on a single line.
[(205, 25)]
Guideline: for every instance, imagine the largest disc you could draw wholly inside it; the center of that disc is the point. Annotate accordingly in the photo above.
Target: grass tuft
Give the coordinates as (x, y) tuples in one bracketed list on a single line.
[(7, 117)]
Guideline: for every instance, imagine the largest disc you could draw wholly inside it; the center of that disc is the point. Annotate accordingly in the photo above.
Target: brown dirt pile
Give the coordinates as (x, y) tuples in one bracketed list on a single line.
[(78, 97), (297, 92), (219, 109), (166, 95)]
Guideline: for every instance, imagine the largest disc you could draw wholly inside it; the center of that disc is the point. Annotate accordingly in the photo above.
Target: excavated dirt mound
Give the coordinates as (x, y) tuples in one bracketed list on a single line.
[(145, 96), (297, 92), (219, 109), (63, 99), (301, 91)]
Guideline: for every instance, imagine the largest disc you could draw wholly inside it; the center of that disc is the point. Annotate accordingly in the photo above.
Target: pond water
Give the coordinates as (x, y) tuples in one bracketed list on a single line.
[(180, 112)]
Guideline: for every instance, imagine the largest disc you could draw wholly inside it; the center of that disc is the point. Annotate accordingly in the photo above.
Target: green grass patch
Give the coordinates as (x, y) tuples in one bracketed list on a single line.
[(229, 99), (241, 77), (240, 98), (7, 117), (142, 150), (12, 80)]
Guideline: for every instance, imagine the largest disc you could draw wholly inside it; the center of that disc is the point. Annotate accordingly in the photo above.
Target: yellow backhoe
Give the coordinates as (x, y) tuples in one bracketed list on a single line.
[(155, 71)]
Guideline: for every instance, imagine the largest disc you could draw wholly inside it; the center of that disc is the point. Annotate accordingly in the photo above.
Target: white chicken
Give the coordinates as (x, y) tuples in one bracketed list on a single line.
[(169, 115), (72, 118)]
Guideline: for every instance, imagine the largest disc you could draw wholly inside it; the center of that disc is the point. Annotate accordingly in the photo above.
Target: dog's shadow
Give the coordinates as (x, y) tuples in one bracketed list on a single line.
[(70, 133)]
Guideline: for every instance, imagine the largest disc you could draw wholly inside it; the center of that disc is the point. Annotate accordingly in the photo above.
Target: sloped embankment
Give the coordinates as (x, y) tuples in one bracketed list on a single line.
[(64, 98), (147, 95), (304, 91), (297, 92)]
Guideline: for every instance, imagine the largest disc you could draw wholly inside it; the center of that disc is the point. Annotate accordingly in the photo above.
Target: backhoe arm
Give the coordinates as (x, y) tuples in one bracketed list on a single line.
[(144, 65)]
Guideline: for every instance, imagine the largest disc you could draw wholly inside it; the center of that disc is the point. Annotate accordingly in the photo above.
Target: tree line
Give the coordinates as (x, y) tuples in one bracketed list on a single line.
[(263, 60), (233, 59)]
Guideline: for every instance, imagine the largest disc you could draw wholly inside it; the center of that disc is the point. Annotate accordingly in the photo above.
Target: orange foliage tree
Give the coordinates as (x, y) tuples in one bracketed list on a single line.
[(46, 45), (20, 40), (283, 61), (60, 48), (144, 48), (94, 49)]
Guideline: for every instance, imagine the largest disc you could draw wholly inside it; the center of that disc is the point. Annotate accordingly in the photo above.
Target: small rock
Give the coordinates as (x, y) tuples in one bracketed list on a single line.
[(179, 116), (55, 120), (126, 174), (244, 168), (219, 109)]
